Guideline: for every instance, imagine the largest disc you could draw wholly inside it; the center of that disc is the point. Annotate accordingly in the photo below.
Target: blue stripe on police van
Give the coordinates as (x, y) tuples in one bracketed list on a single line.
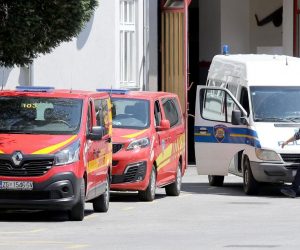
[(223, 134)]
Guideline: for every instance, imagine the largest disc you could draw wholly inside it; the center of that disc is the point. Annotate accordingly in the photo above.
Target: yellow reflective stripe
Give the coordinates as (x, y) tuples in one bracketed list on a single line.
[(94, 165), (203, 134), (134, 135), (164, 158), (52, 148), (246, 136)]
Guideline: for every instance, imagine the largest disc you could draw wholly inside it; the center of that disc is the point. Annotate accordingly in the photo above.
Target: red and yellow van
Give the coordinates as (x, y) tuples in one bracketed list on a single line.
[(55, 149), (148, 143)]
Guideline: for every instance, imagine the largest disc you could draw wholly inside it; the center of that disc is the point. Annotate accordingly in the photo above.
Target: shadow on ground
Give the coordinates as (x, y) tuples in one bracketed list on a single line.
[(232, 189), (36, 215), (130, 197)]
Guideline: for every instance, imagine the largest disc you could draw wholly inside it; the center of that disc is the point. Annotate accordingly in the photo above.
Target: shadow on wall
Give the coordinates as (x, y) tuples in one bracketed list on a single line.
[(4, 74), (84, 34)]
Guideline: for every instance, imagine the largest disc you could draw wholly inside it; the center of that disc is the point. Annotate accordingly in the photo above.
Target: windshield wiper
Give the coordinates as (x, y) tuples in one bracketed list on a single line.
[(271, 119), (293, 118), (14, 132)]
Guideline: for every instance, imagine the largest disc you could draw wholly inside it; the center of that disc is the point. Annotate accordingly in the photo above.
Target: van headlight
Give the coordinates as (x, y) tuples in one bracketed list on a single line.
[(140, 143), (67, 155), (267, 155)]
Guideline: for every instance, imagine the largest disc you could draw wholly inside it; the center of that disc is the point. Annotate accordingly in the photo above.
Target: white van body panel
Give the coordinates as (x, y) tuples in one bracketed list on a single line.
[(215, 156)]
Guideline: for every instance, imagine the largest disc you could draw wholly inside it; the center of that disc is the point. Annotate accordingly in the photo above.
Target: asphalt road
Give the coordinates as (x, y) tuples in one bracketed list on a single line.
[(202, 217)]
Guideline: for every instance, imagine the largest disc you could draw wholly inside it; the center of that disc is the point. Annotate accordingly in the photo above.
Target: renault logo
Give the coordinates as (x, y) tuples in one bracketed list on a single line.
[(17, 157)]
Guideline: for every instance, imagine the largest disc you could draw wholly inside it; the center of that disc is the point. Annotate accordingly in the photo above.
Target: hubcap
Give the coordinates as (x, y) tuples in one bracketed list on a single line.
[(246, 176), (153, 183), (178, 178), (107, 192)]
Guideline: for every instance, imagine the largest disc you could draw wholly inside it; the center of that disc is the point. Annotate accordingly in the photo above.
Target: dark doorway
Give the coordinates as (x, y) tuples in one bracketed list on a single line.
[(193, 35)]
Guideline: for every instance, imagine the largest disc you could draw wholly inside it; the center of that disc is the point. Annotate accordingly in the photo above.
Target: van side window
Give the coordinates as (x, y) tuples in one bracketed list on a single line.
[(157, 113), (244, 100), (233, 89), (171, 111), (216, 107), (89, 119), (101, 111)]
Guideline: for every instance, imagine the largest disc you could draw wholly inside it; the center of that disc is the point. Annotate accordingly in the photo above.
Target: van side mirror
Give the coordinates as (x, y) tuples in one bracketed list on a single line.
[(236, 117), (164, 125), (96, 134)]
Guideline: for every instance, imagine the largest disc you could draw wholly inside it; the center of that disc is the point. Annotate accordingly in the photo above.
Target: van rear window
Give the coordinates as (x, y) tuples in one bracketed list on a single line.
[(38, 115)]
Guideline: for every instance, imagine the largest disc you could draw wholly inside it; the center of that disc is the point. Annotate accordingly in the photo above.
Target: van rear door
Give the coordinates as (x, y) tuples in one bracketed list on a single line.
[(217, 140)]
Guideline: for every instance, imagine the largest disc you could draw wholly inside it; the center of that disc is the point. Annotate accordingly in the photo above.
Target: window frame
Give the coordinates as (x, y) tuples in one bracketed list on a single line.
[(130, 43)]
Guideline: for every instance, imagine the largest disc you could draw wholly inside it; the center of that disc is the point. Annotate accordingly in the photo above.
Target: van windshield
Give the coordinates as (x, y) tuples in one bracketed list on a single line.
[(130, 113), (275, 104), (38, 115)]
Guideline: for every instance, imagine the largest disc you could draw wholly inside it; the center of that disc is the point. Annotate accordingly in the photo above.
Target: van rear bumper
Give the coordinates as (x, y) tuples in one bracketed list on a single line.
[(61, 192), (276, 173)]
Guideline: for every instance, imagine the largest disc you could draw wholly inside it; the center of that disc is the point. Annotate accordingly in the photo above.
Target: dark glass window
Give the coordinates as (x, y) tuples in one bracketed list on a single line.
[(171, 111), (38, 115)]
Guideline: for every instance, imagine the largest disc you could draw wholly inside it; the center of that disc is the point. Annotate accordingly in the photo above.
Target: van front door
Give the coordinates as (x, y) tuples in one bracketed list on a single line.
[(217, 140)]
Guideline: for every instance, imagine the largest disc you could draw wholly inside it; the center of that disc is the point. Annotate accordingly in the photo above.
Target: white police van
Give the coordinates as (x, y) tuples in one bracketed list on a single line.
[(249, 107)]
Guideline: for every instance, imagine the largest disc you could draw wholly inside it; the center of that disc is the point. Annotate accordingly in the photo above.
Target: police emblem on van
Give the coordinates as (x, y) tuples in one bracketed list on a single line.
[(220, 132)]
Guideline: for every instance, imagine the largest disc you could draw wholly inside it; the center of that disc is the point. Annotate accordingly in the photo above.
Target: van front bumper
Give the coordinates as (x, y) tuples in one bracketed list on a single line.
[(60, 192), (275, 173)]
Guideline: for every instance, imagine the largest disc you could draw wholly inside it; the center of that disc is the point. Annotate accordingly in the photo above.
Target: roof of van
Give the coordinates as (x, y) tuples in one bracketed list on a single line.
[(256, 70)]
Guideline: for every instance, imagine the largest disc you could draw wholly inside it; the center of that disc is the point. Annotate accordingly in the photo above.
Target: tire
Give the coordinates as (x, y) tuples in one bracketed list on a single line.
[(251, 186), (174, 188), (101, 203), (149, 193), (216, 180), (77, 212)]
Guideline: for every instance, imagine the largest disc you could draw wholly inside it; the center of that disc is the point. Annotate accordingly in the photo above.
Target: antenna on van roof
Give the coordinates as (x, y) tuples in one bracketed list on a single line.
[(286, 61)]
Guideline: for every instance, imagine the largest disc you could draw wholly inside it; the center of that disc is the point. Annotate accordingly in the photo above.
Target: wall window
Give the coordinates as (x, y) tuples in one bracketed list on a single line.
[(128, 44)]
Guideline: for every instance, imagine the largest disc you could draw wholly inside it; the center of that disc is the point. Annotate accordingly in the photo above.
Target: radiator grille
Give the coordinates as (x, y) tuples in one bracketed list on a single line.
[(294, 158), (27, 168)]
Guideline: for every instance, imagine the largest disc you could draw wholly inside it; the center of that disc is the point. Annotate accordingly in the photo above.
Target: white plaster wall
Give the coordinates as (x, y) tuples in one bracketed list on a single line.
[(87, 62), (209, 29), (267, 35), (235, 28)]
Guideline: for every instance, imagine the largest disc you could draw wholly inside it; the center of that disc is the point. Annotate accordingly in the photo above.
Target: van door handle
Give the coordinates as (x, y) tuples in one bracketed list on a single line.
[(96, 152), (108, 140)]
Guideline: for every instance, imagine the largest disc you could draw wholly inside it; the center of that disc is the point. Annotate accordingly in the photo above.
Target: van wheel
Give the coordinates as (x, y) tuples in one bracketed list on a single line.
[(251, 186), (216, 180), (101, 203), (174, 188), (77, 212), (149, 193)]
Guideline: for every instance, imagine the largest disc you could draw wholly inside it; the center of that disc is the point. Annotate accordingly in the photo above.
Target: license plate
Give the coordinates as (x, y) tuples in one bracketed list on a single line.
[(16, 185)]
